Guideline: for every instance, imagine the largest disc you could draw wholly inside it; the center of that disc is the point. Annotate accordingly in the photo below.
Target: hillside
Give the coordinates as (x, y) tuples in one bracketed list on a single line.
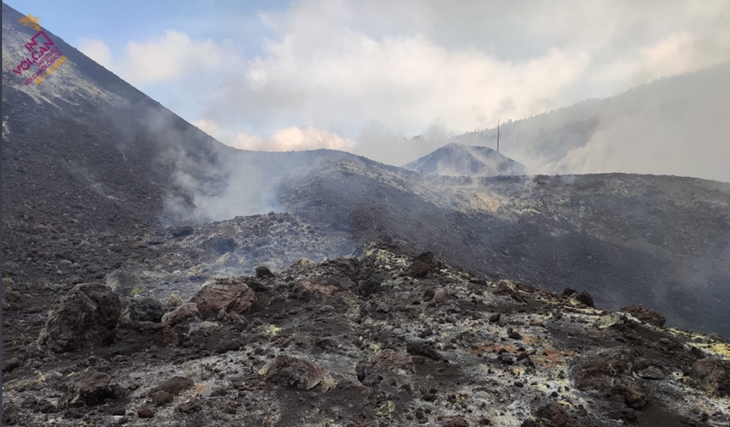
[(659, 241), (463, 160), (672, 124)]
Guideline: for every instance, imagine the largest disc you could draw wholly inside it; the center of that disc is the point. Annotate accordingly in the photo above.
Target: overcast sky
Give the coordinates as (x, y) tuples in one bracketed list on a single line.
[(277, 75)]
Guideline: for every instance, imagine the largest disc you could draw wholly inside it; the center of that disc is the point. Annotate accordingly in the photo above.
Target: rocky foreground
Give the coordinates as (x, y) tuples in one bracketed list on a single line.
[(375, 339)]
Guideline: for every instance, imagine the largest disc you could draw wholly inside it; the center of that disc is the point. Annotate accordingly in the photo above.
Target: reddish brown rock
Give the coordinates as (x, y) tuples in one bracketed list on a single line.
[(231, 294), (146, 412), (553, 415), (184, 312), (390, 360)]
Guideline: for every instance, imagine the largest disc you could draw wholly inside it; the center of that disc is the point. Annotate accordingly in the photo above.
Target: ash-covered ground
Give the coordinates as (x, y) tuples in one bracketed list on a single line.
[(242, 322)]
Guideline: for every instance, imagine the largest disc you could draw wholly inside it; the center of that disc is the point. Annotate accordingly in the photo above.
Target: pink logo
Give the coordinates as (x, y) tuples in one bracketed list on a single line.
[(43, 53)]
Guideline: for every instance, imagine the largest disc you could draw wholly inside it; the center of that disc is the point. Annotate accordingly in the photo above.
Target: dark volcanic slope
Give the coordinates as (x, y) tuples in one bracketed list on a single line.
[(85, 152), (464, 160), (655, 240), (87, 147)]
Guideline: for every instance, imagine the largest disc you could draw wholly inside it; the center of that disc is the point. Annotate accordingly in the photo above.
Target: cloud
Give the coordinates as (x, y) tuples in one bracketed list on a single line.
[(360, 76), (677, 53), (289, 139), (96, 50), (166, 58)]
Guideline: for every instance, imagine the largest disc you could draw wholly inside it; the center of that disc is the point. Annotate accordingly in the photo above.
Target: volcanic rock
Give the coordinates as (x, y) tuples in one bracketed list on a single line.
[(92, 389), (298, 373), (422, 265), (370, 284), (651, 373), (390, 360), (646, 315), (231, 294), (585, 298), (610, 371), (182, 231), (456, 422), (192, 405), (86, 315), (712, 374), (174, 301), (11, 364), (263, 272), (161, 397), (174, 385), (553, 415), (144, 310), (184, 312), (146, 411), (440, 296), (423, 349)]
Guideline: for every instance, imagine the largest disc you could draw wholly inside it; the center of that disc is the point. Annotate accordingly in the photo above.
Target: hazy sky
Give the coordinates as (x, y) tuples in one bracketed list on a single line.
[(278, 75)]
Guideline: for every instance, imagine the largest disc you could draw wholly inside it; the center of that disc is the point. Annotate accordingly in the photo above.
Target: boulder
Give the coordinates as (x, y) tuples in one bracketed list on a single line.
[(86, 316), (712, 374), (174, 301), (263, 272), (161, 397), (143, 310), (423, 349), (145, 411), (585, 298), (92, 389), (645, 315), (298, 373), (184, 312), (231, 294), (611, 371), (174, 386), (422, 265), (553, 415)]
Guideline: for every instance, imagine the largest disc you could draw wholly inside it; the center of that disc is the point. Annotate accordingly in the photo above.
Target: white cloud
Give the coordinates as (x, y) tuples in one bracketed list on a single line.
[(331, 69), (96, 50), (170, 57), (166, 58), (289, 139)]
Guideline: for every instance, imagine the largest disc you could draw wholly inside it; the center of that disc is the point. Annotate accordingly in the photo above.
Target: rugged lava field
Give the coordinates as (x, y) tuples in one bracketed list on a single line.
[(376, 338)]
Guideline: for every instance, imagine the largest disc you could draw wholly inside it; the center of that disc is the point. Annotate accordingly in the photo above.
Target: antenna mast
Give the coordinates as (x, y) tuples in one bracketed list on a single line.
[(498, 136)]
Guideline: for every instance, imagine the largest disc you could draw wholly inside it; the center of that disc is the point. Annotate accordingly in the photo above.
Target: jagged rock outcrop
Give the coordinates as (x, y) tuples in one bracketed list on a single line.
[(85, 316)]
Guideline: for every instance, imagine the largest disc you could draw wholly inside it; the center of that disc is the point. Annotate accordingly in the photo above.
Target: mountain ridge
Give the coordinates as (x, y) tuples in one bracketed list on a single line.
[(456, 159)]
